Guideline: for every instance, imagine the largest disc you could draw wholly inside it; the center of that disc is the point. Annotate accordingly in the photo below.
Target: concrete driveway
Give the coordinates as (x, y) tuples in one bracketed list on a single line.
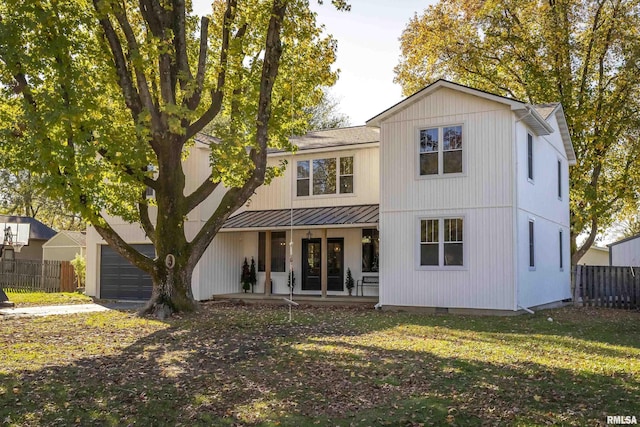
[(52, 310)]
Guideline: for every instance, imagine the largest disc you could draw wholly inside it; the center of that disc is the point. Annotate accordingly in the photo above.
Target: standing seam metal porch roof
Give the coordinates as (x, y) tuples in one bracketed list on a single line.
[(304, 217)]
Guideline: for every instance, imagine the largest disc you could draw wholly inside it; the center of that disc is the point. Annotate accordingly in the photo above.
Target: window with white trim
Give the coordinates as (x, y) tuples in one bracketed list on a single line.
[(442, 242), (440, 150), (324, 176)]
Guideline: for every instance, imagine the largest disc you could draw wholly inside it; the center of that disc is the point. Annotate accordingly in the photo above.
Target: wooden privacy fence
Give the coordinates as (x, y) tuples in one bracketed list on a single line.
[(605, 286), (37, 276)]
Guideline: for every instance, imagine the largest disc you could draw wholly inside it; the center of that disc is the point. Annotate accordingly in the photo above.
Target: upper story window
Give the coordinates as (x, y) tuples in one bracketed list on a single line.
[(560, 179), (530, 157), (325, 176), (441, 150)]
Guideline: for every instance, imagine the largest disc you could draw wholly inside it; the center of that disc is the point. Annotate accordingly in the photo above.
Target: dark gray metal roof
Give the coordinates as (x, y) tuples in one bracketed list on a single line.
[(304, 217)]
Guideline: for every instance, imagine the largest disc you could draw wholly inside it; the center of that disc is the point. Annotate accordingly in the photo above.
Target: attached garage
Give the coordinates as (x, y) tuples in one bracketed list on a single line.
[(119, 279)]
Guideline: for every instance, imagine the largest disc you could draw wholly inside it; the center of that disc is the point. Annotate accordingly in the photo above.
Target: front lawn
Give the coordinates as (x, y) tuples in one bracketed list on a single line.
[(246, 365), (29, 299)]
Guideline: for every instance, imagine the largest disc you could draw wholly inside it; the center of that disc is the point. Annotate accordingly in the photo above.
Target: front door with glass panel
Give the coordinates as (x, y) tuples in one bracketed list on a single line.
[(335, 264), (311, 265)]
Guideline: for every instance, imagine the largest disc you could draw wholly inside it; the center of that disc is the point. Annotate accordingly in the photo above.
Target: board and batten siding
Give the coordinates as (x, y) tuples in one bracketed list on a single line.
[(482, 195), (626, 253), (278, 194), (485, 281), (220, 267), (538, 201)]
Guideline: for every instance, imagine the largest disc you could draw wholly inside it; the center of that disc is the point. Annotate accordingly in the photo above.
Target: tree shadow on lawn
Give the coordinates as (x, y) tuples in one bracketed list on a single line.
[(601, 326), (217, 369)]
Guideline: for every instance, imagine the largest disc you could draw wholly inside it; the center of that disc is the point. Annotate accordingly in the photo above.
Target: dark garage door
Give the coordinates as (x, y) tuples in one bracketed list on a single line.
[(119, 279)]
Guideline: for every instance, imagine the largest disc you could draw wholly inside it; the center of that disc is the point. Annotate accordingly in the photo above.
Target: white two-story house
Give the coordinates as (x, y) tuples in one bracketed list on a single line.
[(454, 198), (474, 201)]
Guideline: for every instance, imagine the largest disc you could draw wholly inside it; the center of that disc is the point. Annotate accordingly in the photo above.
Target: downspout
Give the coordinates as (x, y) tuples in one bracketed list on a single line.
[(527, 310), (516, 242)]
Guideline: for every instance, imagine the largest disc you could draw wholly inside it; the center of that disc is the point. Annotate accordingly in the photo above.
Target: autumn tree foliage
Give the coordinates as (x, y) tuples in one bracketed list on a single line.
[(103, 98), (584, 54)]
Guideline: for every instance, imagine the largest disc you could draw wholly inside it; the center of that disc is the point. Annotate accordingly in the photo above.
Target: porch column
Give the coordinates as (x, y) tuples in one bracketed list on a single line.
[(323, 262), (267, 263)]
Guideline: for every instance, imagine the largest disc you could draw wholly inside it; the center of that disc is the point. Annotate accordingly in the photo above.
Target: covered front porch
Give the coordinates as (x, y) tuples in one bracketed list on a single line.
[(316, 247)]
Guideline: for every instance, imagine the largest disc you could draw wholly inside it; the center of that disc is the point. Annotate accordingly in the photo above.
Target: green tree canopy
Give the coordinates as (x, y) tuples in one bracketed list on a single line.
[(96, 92), (21, 194), (584, 54)]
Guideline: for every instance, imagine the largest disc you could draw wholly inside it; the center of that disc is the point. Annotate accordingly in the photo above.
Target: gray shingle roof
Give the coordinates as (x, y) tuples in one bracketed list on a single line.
[(335, 137), (304, 217)]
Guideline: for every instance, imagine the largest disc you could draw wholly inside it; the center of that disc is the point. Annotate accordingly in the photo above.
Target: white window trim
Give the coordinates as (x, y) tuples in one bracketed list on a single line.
[(441, 266), (441, 174), (338, 175)]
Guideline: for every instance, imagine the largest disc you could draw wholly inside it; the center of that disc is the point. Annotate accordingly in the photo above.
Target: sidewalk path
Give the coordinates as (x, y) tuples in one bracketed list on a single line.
[(49, 310)]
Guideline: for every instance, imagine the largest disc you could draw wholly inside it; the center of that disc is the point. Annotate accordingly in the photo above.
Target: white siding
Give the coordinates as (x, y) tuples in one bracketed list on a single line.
[(220, 267), (482, 195), (538, 200), (626, 253), (278, 194), (595, 256), (485, 282)]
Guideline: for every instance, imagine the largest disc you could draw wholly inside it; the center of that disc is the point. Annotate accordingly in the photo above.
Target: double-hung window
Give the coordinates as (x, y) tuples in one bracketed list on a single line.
[(442, 242), (324, 176), (440, 150)]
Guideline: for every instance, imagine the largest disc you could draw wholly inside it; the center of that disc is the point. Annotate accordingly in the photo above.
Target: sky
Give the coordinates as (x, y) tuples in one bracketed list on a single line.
[(368, 50)]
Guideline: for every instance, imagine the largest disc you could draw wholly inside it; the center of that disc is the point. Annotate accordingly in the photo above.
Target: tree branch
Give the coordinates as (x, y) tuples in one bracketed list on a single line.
[(236, 197), (131, 96), (123, 248), (141, 80), (145, 220), (200, 194), (217, 94), (180, 31), (193, 102)]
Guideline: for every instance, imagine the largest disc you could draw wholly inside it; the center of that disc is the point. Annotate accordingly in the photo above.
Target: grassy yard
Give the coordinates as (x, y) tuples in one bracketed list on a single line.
[(244, 365), (29, 299)]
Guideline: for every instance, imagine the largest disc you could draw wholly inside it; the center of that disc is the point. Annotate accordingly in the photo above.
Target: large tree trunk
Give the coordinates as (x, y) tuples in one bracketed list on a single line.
[(171, 291), (579, 252)]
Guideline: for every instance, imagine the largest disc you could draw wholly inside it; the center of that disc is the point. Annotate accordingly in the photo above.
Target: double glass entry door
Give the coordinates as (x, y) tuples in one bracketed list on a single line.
[(312, 264)]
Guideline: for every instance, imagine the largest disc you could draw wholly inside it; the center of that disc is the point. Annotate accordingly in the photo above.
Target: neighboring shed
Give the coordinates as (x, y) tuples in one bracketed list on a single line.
[(64, 246), (38, 234), (596, 255), (625, 252)]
